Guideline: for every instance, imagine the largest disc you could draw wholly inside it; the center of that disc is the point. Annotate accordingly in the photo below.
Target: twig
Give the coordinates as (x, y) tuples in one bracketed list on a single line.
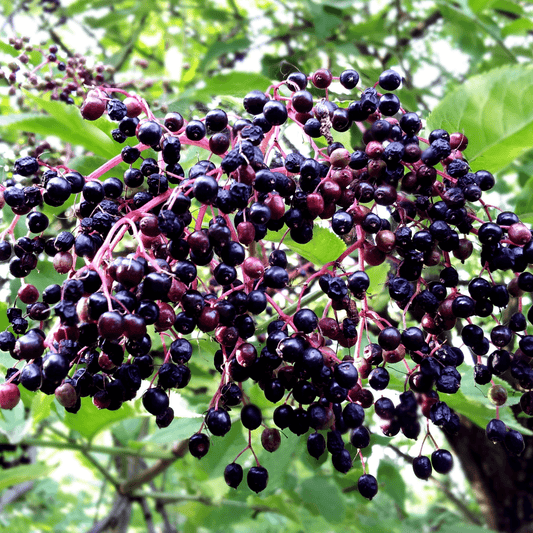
[(110, 450), (147, 514), (121, 509), (146, 475)]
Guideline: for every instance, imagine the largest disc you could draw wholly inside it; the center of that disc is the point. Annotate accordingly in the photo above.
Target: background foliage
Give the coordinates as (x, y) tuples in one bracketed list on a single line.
[(466, 68)]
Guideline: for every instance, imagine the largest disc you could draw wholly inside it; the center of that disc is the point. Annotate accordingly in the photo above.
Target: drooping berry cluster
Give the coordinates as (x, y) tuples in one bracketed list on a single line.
[(200, 265)]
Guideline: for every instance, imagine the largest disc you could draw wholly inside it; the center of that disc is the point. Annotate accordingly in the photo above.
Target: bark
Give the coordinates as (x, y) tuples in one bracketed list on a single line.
[(502, 483)]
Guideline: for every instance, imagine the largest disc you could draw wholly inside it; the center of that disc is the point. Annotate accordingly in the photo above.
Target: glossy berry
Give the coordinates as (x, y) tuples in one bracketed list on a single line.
[(442, 461), (305, 320), (389, 80), (218, 422), (257, 478), (349, 78), (342, 461), (9, 396), (422, 467), (155, 401), (233, 475), (316, 445), (251, 416), (514, 442), (199, 445), (367, 486), (322, 78)]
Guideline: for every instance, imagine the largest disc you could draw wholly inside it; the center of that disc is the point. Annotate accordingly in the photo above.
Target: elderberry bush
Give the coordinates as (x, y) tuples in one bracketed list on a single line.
[(160, 250)]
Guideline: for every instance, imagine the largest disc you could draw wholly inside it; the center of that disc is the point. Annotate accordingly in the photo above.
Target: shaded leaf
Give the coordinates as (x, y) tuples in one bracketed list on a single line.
[(218, 49), (392, 482), (324, 498), (325, 19), (19, 474), (471, 402)]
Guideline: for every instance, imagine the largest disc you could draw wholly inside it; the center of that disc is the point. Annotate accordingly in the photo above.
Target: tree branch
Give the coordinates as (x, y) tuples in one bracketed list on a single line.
[(110, 450), (145, 476)]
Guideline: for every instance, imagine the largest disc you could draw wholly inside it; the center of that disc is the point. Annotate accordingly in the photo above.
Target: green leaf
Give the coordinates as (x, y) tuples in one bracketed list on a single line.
[(278, 503), (323, 497), (179, 429), (494, 110), (518, 27), (378, 277), (75, 129), (4, 322), (326, 19), (14, 425), (524, 201), (471, 402), (464, 528), (236, 84), (40, 407), (392, 482), (323, 248), (20, 474), (88, 163), (480, 5), (220, 48), (89, 421), (8, 49)]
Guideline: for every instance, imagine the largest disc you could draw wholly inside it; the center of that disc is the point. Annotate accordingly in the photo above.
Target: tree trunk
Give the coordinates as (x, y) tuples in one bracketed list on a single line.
[(502, 483)]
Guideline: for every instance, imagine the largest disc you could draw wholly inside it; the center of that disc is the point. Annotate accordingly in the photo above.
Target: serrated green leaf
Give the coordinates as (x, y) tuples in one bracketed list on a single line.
[(89, 421), (19, 474), (323, 248), (323, 497), (325, 19), (495, 112)]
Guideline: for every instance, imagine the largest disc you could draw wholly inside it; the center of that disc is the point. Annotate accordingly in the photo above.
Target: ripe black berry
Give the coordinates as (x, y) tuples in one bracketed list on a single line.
[(367, 486), (422, 467), (233, 475), (199, 445), (442, 461), (257, 478)]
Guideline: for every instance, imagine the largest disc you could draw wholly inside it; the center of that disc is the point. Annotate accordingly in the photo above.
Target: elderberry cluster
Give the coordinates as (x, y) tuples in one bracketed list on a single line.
[(199, 266)]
